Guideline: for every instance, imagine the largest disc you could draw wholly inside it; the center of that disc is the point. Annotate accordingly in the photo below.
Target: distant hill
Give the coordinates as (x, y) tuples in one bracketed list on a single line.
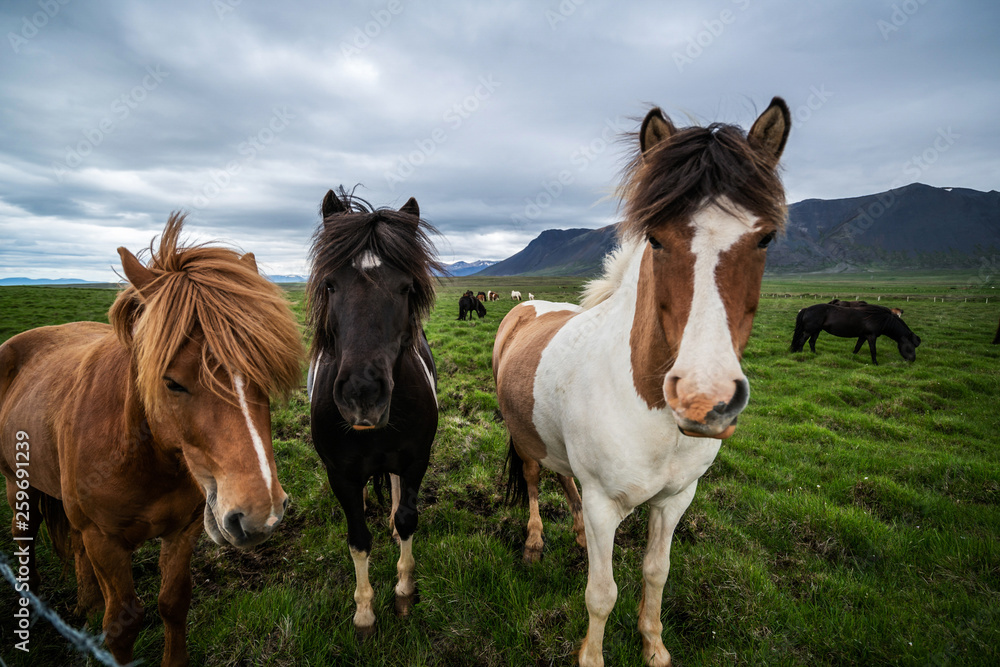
[(559, 252), (287, 279), (43, 281), (468, 268), (913, 227)]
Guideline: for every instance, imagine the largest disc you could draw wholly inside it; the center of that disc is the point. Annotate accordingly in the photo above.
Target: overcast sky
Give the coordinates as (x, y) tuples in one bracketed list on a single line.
[(245, 112)]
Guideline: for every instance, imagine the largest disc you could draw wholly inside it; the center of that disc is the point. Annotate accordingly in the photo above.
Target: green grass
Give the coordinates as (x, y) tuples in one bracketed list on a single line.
[(854, 518)]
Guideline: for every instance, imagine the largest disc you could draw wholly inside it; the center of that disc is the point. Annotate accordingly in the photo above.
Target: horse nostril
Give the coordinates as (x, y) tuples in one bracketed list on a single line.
[(234, 525), (284, 505)]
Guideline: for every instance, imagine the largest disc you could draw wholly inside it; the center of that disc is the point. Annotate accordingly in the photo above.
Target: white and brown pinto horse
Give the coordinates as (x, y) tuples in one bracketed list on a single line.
[(515, 296), (633, 392)]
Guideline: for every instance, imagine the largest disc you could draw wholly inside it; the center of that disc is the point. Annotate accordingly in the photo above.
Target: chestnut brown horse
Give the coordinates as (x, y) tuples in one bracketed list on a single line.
[(131, 427), (633, 392)]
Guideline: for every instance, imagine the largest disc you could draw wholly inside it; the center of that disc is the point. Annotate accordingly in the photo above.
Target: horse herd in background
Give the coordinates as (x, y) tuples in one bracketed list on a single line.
[(158, 425), (468, 304)]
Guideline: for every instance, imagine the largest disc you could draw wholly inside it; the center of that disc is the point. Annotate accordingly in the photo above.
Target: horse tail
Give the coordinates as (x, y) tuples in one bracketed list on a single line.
[(516, 492), (799, 337), (55, 518)]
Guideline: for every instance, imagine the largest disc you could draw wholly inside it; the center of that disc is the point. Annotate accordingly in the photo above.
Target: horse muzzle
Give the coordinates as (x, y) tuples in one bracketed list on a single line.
[(364, 405), (236, 528), (700, 415)]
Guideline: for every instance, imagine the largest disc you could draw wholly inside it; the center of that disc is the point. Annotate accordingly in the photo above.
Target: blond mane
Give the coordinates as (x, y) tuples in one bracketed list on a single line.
[(244, 319), (615, 263)]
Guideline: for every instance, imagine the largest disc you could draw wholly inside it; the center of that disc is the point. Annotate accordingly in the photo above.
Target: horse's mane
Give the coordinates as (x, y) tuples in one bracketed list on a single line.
[(398, 239), (615, 263), (209, 291), (695, 167)]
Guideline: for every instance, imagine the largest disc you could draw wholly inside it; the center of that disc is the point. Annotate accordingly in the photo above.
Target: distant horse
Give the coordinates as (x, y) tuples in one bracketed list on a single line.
[(468, 305), (515, 296), (898, 312), (863, 322), (531, 297), (620, 392), (492, 296), (131, 427), (372, 382), (481, 296)]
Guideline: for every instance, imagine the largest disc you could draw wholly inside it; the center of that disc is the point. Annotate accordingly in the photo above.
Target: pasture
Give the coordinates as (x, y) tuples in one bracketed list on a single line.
[(854, 518)]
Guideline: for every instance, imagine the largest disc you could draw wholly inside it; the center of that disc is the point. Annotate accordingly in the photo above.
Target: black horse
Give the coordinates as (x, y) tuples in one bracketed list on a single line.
[(469, 304), (862, 322), (372, 381)]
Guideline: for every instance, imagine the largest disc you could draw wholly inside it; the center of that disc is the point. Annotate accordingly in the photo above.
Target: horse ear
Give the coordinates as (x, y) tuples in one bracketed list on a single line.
[(250, 261), (770, 131), (655, 128), (332, 204), (137, 274), (410, 207)]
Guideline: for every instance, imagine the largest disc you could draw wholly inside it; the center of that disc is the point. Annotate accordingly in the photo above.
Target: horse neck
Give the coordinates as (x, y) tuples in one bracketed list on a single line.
[(641, 341), (893, 327), (108, 377)]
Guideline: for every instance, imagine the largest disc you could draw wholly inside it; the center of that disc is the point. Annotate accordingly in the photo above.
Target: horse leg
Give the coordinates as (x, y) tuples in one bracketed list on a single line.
[(663, 518), (123, 613), (601, 517), (861, 341), (88, 591), (576, 507), (534, 543), (175, 591), (812, 342), (24, 527), (359, 541), (405, 520), (871, 346), (394, 492)]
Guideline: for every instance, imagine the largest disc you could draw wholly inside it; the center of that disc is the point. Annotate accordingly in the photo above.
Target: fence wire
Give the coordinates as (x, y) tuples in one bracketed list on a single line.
[(83, 642)]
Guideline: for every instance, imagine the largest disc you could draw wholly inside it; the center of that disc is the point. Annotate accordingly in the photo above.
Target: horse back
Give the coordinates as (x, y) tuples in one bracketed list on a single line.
[(38, 370), (523, 335)]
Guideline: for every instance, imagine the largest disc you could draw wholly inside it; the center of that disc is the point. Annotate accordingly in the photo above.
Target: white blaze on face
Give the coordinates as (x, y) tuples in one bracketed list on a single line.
[(706, 356), (367, 261), (258, 443)]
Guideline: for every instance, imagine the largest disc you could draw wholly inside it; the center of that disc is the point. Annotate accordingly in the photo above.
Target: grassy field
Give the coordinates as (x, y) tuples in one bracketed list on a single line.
[(854, 518)]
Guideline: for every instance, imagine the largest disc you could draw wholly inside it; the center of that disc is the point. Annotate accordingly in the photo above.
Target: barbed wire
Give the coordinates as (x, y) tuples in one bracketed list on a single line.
[(82, 641)]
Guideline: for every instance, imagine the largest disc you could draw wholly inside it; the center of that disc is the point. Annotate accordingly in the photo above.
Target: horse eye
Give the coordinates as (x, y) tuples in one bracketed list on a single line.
[(764, 242), (330, 288), (654, 244), (175, 387), (406, 290)]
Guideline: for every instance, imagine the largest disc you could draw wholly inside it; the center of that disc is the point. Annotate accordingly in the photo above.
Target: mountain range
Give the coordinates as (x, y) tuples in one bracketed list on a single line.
[(41, 281), (467, 268), (913, 227)]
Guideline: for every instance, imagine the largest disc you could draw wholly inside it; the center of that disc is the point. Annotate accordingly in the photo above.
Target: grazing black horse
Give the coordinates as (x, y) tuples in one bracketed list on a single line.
[(469, 304), (372, 381), (862, 322)]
